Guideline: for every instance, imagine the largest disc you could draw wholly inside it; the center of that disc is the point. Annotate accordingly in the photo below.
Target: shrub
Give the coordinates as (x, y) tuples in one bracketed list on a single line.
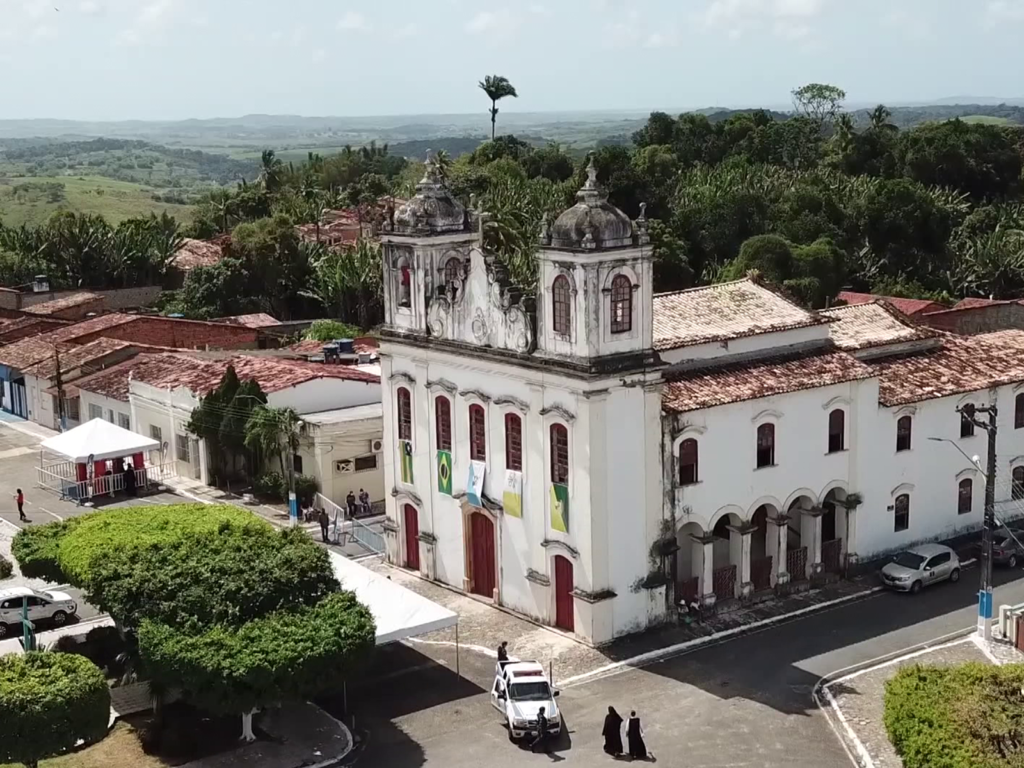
[(971, 716), (331, 330), (306, 488), (103, 645), (6, 568), (67, 644), (270, 485), (48, 703)]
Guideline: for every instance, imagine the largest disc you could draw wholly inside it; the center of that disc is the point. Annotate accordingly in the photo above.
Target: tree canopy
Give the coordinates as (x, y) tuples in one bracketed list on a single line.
[(48, 703)]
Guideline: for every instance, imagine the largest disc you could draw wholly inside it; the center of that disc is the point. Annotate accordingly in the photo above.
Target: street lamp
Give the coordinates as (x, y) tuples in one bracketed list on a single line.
[(969, 412)]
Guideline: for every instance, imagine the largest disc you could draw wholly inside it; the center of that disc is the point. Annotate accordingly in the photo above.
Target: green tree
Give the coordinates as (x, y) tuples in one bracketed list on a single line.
[(49, 702), (271, 431), (207, 418), (330, 330), (819, 101), (496, 87)]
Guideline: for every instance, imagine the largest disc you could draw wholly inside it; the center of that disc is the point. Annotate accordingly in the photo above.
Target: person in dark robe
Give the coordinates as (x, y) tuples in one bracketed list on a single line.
[(350, 502), (503, 651), (635, 736), (129, 481), (612, 733), (324, 519)]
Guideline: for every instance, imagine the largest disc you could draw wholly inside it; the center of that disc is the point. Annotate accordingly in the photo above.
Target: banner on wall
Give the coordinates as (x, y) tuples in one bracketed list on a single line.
[(407, 462), (475, 484), (444, 472), (512, 496), (560, 507)]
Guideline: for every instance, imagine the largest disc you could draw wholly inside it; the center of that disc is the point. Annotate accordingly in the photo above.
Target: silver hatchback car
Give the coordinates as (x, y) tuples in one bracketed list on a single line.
[(920, 566)]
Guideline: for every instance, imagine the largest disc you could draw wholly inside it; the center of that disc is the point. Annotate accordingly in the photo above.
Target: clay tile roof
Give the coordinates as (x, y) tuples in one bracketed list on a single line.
[(859, 326), (362, 344), (92, 325), (196, 253), (906, 306), (72, 357), (26, 352), (64, 302), (22, 326), (749, 380), (971, 303), (277, 373), (722, 312), (959, 366), (257, 320)]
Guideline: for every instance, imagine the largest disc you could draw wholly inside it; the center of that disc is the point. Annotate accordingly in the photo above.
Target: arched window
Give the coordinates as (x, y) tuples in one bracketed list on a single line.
[(477, 433), (965, 497), (561, 306), (688, 462), (443, 417), (404, 287), (766, 445), (559, 454), (513, 442), (451, 271), (404, 414), (903, 427), (966, 426), (1017, 486), (622, 305), (1018, 411), (901, 513), (837, 430)]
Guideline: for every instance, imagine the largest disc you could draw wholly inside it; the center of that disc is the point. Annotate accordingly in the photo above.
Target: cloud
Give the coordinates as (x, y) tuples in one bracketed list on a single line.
[(406, 31), (797, 8), (539, 9), (665, 39), (156, 13), (1004, 10), (90, 8), (353, 21), (626, 33), (43, 32), (35, 9), (153, 18), (298, 35), (786, 19), (500, 22), (319, 54)]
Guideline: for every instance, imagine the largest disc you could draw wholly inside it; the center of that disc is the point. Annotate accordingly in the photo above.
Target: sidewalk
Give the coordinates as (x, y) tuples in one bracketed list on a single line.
[(482, 627)]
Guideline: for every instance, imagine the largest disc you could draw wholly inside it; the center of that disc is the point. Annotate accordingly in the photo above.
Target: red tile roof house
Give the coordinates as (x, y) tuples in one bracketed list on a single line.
[(72, 306), (22, 395), (156, 393), (974, 316), (909, 307)]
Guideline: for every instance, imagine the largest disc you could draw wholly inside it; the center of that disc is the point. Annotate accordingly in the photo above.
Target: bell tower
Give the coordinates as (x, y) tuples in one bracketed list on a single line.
[(595, 278)]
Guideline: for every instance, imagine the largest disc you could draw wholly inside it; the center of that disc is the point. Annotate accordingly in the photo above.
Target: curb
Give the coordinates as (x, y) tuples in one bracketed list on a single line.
[(329, 763), (826, 703), (662, 654)]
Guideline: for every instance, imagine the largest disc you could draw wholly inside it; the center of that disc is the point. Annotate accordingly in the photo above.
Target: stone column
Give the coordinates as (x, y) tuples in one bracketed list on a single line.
[(850, 540), (780, 540), (707, 584), (204, 463), (740, 538), (814, 545)]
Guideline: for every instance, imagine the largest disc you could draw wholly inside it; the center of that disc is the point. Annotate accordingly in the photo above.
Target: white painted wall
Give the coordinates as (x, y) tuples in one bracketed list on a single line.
[(325, 395), (324, 446), (108, 405)]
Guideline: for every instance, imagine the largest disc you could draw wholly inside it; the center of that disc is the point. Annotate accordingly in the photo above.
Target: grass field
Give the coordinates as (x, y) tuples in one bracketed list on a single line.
[(115, 200), (120, 749), (986, 120)]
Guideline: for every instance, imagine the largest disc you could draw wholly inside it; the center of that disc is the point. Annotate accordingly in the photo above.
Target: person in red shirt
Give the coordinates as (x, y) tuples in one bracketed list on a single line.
[(20, 498)]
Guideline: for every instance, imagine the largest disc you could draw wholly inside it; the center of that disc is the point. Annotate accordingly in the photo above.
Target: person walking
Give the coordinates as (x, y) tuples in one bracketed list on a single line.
[(542, 732), (635, 736), (612, 733), (324, 521), (20, 498)]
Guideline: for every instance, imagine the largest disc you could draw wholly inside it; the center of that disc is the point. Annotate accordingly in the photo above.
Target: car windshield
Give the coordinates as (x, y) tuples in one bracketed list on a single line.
[(1001, 538), (47, 595), (537, 691), (909, 560)]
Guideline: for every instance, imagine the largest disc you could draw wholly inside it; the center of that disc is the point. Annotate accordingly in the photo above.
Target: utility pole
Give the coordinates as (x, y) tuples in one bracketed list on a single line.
[(970, 413), (62, 419)]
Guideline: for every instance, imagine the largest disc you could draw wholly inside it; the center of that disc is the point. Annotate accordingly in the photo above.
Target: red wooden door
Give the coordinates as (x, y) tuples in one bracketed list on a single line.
[(482, 532), (563, 594), (412, 541)]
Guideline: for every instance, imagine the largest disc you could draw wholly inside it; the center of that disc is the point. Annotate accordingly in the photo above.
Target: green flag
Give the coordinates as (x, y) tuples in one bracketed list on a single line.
[(407, 462), (444, 472), (560, 507)]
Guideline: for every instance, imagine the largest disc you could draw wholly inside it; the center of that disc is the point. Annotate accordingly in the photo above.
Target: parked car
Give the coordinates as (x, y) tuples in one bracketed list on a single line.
[(50, 606), (520, 689), (1005, 548), (920, 566)]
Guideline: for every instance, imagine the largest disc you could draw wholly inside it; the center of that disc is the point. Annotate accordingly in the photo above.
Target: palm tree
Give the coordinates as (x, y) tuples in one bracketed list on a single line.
[(270, 171), (880, 120), (443, 164), (273, 430), (496, 87)]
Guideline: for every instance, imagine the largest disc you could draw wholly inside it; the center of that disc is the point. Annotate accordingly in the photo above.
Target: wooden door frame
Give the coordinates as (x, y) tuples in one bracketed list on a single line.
[(405, 536), (468, 511), (554, 591)]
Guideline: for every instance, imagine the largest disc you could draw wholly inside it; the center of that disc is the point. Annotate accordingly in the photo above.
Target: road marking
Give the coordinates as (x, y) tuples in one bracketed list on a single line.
[(983, 647), (52, 514), (863, 758), (461, 646)]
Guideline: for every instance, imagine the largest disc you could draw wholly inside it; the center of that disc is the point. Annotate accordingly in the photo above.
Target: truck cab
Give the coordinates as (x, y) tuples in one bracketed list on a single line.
[(520, 689)]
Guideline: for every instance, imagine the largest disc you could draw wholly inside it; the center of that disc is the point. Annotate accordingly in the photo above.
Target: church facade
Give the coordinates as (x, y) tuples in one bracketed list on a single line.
[(589, 456)]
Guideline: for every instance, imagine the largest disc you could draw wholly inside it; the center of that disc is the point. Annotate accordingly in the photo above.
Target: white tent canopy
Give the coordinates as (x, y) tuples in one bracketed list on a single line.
[(98, 439), (398, 612)]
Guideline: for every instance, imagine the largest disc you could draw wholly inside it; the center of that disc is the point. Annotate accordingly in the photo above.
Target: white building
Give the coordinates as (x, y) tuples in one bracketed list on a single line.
[(155, 395), (722, 439)]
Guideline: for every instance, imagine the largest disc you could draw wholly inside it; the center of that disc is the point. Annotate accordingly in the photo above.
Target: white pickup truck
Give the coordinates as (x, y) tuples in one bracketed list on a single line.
[(520, 689)]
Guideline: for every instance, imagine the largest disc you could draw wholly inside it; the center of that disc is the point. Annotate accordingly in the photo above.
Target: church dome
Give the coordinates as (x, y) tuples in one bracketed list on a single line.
[(432, 210), (593, 223)]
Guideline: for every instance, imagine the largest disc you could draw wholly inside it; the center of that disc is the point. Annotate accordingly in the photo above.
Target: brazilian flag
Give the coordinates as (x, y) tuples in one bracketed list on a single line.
[(407, 462), (444, 472)]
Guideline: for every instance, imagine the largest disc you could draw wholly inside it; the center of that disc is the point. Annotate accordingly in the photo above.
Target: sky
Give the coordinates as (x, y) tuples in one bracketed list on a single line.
[(177, 59)]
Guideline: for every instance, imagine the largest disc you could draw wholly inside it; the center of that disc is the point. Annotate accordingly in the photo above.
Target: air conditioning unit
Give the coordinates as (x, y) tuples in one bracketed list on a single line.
[(376, 446), (346, 465)]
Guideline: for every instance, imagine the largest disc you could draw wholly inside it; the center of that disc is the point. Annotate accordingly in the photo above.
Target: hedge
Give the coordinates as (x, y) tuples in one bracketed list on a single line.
[(48, 702), (969, 716), (285, 656), (6, 568)]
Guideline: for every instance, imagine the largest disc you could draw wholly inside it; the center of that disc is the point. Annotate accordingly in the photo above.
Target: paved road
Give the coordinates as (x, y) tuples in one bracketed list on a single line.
[(746, 702)]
